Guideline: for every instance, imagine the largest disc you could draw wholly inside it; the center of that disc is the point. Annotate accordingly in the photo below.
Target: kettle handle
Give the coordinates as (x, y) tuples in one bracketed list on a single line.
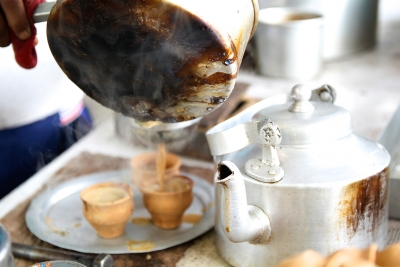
[(239, 131), (234, 138)]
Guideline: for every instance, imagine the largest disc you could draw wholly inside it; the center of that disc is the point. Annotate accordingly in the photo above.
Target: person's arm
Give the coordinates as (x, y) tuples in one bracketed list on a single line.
[(12, 13)]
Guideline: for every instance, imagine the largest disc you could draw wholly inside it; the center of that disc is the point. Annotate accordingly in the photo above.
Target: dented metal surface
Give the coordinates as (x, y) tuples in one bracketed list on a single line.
[(152, 60)]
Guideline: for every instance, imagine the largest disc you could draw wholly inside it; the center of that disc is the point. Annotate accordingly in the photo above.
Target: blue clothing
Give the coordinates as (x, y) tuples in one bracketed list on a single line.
[(24, 150)]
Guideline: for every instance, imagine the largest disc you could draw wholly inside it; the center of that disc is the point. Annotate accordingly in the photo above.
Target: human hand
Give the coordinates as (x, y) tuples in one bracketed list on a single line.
[(12, 13)]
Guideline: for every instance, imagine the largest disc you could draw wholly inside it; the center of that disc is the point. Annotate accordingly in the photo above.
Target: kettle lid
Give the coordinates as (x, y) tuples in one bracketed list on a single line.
[(305, 122)]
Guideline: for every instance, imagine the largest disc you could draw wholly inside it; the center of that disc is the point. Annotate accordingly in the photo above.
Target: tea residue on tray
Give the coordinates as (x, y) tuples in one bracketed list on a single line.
[(210, 205), (141, 221), (192, 218), (54, 229), (139, 245)]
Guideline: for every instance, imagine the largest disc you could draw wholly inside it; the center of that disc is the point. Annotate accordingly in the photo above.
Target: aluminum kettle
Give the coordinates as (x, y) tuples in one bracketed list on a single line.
[(291, 176)]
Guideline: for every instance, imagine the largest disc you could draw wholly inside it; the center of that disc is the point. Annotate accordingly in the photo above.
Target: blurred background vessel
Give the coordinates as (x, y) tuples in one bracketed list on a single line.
[(349, 25)]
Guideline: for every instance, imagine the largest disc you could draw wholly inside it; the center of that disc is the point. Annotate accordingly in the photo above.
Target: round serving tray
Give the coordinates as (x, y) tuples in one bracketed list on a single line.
[(55, 216)]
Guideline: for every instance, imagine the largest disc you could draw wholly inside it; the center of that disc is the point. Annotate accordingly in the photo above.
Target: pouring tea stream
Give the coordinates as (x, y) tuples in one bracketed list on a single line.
[(161, 165)]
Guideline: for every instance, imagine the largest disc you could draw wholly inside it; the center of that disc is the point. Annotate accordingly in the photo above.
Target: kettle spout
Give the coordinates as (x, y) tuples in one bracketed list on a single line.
[(241, 222)]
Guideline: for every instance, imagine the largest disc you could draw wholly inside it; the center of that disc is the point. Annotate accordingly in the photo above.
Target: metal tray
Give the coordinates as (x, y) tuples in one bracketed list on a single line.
[(58, 264), (56, 217), (390, 139)]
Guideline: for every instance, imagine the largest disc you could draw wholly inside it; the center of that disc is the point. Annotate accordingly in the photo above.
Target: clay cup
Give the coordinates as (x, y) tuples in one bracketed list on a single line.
[(167, 207), (107, 207)]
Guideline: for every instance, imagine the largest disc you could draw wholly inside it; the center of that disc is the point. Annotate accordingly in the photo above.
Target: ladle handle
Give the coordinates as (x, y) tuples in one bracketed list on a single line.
[(42, 12)]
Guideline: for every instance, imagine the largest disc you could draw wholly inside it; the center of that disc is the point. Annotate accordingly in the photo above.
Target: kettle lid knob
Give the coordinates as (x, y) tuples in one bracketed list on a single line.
[(270, 133), (301, 95)]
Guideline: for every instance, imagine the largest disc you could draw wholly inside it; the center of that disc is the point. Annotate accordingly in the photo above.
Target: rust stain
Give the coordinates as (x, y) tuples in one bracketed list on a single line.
[(364, 201), (141, 221), (192, 218), (209, 206), (227, 210), (238, 45), (139, 245)]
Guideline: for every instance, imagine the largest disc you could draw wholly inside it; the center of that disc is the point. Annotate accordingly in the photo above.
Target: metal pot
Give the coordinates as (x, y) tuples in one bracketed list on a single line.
[(291, 175), (349, 25), (289, 43), (176, 136), (157, 60)]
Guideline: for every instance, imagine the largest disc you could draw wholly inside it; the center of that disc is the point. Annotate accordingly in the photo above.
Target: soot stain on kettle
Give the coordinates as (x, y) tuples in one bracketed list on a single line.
[(365, 201), (139, 58)]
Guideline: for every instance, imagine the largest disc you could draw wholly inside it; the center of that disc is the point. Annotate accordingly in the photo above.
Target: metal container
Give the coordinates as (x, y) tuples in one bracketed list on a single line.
[(176, 136), (291, 176), (6, 259), (289, 43), (168, 61), (349, 25)]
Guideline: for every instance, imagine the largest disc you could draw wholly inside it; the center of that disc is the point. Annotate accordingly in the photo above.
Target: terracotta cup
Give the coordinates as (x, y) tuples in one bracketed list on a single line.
[(390, 256), (107, 207), (144, 168), (167, 207)]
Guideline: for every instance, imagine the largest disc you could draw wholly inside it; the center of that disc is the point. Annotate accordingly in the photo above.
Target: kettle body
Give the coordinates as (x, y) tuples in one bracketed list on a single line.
[(330, 188)]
